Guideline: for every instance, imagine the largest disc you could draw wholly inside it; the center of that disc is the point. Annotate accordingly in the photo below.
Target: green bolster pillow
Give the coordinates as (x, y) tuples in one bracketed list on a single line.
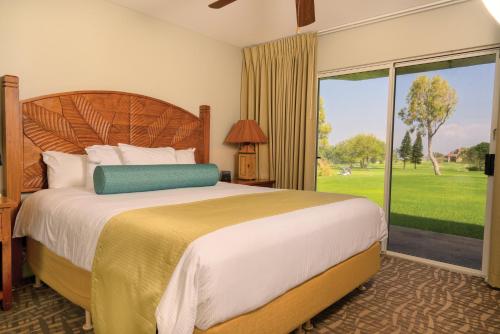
[(135, 178)]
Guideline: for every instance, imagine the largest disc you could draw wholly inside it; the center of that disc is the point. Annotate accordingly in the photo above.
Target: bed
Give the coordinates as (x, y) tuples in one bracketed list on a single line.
[(305, 269)]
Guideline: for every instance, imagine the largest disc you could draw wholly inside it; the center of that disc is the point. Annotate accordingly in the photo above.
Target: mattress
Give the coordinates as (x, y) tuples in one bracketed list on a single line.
[(210, 285)]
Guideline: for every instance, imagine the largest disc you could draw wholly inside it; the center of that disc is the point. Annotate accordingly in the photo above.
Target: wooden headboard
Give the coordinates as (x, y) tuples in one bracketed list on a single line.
[(69, 122)]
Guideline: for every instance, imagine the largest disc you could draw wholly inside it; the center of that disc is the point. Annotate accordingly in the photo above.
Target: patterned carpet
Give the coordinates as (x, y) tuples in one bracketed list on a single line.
[(405, 297)]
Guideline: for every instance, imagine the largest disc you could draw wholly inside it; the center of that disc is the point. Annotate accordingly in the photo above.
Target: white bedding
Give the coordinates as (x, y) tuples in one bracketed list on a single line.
[(225, 273)]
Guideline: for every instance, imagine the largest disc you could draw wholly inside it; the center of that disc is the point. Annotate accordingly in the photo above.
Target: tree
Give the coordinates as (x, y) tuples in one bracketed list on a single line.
[(405, 149), (367, 148), (417, 151), (324, 128), (475, 155), (364, 148), (325, 150), (342, 153), (430, 102), (328, 153)]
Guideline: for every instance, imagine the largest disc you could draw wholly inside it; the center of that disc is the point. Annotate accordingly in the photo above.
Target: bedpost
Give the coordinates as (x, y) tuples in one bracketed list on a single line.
[(12, 137), (12, 141), (205, 124)]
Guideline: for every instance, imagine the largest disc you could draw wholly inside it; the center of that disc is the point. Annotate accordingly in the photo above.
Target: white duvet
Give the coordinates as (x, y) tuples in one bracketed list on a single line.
[(225, 273)]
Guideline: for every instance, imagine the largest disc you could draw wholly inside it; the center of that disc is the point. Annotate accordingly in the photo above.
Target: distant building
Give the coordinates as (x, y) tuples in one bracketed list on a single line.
[(456, 155)]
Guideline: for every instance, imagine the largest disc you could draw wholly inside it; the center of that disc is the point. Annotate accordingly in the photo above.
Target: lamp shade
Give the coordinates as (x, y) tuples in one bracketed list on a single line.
[(246, 131)]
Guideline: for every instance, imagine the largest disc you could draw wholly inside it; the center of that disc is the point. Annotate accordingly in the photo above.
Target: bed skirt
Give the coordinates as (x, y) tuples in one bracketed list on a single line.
[(281, 315)]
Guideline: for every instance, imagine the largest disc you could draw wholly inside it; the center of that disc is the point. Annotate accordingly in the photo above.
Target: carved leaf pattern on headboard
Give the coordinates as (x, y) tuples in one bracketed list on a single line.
[(185, 131), (71, 122), (157, 127), (49, 130), (136, 132), (34, 175), (92, 117)]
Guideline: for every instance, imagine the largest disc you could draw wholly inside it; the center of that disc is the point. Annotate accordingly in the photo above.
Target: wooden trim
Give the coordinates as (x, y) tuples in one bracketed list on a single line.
[(12, 139), (5, 232), (205, 121), (6, 203)]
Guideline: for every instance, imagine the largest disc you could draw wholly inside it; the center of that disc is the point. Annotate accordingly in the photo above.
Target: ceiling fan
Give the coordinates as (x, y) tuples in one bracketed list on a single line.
[(304, 8)]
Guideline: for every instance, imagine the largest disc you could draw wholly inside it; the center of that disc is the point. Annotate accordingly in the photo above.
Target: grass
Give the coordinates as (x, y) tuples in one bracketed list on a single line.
[(451, 203)]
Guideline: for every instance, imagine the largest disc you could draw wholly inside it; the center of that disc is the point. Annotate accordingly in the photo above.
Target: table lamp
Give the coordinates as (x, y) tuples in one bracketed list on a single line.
[(247, 133)]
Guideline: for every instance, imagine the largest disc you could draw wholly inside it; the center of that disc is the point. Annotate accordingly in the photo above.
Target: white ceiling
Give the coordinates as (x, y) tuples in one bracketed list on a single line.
[(249, 22)]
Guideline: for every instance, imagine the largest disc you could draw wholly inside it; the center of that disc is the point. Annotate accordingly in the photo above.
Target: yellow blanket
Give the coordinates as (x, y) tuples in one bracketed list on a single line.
[(138, 251)]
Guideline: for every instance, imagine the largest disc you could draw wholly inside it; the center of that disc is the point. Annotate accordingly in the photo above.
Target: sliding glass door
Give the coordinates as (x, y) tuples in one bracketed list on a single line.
[(352, 134), (442, 126), (412, 137)]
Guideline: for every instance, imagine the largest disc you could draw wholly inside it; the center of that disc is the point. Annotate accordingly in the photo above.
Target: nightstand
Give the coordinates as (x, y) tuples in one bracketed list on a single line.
[(257, 183), (5, 238)]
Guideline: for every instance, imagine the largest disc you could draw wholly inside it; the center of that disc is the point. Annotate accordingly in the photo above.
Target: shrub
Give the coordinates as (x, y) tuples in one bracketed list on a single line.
[(324, 168)]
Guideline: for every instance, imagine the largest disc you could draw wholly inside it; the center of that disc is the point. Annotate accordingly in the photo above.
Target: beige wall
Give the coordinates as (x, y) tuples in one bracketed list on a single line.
[(64, 45), (459, 26)]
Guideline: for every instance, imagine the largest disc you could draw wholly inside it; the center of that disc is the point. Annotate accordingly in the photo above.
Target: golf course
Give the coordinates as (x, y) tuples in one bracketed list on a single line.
[(453, 202)]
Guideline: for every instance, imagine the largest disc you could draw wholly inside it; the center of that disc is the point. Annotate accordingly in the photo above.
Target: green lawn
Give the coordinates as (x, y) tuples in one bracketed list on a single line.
[(451, 203)]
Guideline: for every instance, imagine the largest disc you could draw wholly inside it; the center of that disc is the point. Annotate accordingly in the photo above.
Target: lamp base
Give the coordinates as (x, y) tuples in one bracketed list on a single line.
[(247, 148), (246, 166)]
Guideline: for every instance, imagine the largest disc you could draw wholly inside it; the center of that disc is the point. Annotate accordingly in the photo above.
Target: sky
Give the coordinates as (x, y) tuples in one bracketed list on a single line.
[(354, 107)]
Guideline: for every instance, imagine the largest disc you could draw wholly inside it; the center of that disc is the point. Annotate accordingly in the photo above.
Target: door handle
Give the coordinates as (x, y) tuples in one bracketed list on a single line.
[(489, 164)]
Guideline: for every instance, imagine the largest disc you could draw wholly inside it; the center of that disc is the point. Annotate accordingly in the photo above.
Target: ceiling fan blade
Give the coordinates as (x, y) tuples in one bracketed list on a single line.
[(305, 12), (220, 3)]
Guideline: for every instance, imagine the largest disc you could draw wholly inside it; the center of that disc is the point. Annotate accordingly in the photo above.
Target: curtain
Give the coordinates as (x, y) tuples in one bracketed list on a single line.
[(494, 261), (279, 91)]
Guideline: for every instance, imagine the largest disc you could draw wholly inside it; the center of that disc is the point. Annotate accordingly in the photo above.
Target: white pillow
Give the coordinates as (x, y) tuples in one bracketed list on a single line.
[(100, 155), (65, 170), (135, 155), (104, 154), (185, 156)]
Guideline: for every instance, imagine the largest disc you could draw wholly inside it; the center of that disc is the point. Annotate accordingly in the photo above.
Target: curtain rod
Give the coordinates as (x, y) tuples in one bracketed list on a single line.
[(380, 18), (390, 16)]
